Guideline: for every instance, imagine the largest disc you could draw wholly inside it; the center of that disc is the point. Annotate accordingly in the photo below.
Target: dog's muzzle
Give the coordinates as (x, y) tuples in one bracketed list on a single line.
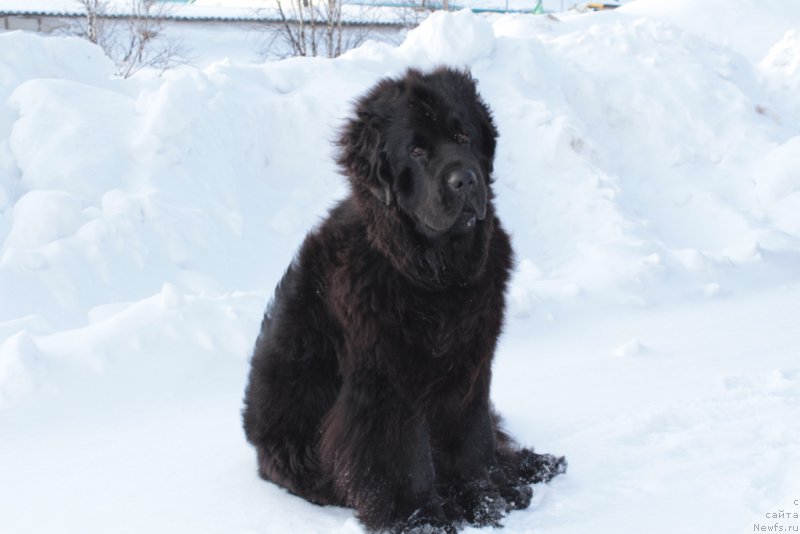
[(465, 184)]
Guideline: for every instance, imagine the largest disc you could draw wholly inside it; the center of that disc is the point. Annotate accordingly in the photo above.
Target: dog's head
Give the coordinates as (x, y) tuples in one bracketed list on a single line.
[(425, 143)]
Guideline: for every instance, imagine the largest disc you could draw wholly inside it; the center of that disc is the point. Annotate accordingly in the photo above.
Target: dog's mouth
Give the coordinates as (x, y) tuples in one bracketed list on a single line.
[(468, 219), (465, 222), (471, 214)]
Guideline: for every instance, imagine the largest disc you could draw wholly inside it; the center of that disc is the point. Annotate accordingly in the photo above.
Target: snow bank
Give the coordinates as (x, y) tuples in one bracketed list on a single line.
[(749, 28), (458, 39), (647, 169)]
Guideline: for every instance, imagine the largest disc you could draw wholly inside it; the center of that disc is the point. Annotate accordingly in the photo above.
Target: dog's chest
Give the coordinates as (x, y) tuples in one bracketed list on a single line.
[(441, 324)]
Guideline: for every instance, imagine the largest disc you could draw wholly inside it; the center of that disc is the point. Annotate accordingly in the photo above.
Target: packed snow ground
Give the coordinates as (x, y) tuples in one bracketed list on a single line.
[(648, 168)]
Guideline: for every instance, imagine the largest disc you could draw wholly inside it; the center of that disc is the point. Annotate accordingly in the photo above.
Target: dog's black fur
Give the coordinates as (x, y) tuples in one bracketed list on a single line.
[(369, 385)]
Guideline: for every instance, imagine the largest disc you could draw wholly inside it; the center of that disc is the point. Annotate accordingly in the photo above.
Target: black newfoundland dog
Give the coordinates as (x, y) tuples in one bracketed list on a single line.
[(369, 385)]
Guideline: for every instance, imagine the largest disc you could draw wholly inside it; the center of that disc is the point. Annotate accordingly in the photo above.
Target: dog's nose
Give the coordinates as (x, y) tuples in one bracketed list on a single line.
[(462, 180)]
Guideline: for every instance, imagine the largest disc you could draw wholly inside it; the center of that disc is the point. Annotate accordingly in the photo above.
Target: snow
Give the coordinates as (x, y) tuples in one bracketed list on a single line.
[(648, 169)]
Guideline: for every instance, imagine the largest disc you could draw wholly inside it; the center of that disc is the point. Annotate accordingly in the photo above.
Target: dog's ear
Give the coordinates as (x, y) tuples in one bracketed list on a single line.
[(488, 129), (488, 136), (361, 155), (382, 187)]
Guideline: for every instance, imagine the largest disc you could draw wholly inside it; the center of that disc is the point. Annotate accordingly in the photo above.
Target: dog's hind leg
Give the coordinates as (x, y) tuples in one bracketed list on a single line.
[(298, 471)]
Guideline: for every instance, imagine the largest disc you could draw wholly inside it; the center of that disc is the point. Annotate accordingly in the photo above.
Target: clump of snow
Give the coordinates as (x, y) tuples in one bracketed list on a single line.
[(41, 216), (713, 290), (20, 362), (171, 297), (777, 185), (454, 38), (630, 349), (784, 56), (646, 166)]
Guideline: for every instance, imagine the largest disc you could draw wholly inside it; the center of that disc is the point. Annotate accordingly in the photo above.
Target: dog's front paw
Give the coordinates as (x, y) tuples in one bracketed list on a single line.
[(427, 520), (533, 468), (518, 496), (483, 504)]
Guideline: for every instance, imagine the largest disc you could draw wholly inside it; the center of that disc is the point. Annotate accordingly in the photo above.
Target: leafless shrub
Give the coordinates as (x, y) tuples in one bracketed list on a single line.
[(134, 38), (411, 13), (96, 17), (313, 28)]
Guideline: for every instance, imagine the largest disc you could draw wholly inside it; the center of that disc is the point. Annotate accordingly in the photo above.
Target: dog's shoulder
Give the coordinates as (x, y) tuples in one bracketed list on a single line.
[(339, 238)]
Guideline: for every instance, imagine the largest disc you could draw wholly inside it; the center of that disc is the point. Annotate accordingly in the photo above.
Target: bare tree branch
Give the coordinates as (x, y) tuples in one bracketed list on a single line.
[(314, 27), (134, 41)]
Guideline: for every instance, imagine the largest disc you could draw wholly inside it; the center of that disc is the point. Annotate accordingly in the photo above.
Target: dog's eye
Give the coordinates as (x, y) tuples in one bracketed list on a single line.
[(462, 138), (417, 152)]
